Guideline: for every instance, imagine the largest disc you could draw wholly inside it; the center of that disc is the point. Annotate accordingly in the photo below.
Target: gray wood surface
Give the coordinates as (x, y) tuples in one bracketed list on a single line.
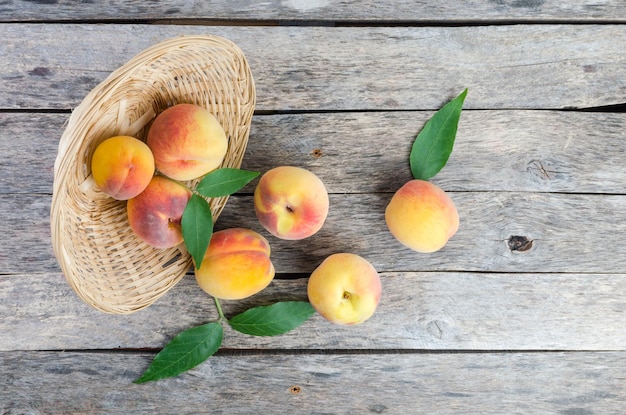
[(327, 383), (566, 233), (312, 10), (348, 68), (521, 313), (534, 151), (418, 311)]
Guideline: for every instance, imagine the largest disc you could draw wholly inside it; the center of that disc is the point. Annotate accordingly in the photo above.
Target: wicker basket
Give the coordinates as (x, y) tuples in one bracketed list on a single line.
[(101, 258)]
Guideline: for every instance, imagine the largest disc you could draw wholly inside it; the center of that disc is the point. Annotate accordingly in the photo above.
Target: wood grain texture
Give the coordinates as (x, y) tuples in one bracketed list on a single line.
[(515, 383), (538, 151), (348, 68), (315, 10), (26, 241), (565, 233), (29, 146), (418, 311)]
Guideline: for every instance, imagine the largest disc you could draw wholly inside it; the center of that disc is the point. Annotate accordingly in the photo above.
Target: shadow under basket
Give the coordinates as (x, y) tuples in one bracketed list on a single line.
[(101, 258)]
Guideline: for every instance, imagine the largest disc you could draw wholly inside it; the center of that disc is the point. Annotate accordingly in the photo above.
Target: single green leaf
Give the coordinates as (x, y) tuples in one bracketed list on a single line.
[(433, 145), (187, 350), (224, 182), (273, 319), (197, 227)]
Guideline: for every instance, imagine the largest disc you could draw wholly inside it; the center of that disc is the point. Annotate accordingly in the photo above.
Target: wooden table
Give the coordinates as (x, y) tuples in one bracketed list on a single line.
[(481, 326)]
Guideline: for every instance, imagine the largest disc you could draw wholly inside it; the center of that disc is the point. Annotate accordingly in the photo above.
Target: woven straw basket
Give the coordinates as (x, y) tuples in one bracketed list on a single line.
[(101, 258)]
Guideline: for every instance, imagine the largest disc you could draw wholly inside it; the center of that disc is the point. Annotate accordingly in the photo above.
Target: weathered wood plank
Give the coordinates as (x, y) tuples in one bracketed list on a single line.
[(418, 310), (511, 383), (26, 241), (547, 151), (29, 145), (326, 68), (494, 151), (314, 10), (565, 233)]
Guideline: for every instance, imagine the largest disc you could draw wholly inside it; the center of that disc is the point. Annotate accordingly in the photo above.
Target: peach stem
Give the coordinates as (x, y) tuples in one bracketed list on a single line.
[(219, 309)]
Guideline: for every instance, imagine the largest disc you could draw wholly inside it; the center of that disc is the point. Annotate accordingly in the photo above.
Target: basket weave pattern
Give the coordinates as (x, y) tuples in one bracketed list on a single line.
[(101, 258)]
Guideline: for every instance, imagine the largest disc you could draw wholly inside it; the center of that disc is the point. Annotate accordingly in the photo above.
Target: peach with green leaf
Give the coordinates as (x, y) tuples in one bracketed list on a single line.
[(236, 264), (420, 214)]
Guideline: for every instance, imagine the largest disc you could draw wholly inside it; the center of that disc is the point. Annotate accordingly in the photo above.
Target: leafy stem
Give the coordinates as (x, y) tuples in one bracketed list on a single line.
[(193, 346)]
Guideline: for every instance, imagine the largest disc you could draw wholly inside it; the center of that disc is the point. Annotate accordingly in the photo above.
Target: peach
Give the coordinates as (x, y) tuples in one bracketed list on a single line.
[(187, 142), (422, 216), (345, 289), (236, 264), (291, 202), (155, 214), (122, 166)]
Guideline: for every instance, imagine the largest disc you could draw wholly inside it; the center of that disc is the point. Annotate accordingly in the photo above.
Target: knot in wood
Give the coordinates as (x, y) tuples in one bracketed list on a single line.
[(520, 243), (543, 169)]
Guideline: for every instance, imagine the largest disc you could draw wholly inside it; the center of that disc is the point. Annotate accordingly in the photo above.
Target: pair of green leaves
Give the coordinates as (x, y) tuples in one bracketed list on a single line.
[(197, 220), (433, 145), (193, 346)]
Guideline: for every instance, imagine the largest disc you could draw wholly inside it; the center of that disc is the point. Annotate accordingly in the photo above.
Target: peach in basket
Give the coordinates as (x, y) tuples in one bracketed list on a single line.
[(105, 263)]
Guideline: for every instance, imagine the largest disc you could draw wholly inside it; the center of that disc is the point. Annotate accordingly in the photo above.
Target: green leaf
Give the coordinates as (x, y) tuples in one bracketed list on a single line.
[(187, 350), (197, 227), (433, 145), (224, 182), (273, 319)]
